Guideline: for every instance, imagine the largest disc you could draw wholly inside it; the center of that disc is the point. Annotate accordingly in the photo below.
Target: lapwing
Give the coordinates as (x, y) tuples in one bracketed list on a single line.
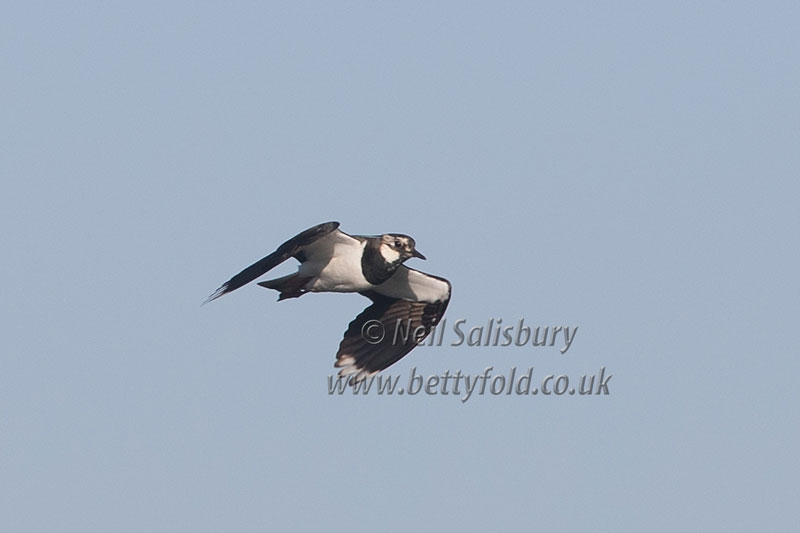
[(333, 261)]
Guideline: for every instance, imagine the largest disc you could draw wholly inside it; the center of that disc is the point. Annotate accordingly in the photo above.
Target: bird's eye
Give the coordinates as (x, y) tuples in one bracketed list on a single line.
[(397, 243)]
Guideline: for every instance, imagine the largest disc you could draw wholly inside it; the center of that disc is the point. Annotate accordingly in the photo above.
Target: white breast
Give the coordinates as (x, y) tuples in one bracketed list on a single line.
[(334, 261)]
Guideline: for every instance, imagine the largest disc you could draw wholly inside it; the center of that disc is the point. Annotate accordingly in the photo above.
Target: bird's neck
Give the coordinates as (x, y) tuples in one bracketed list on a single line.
[(375, 267)]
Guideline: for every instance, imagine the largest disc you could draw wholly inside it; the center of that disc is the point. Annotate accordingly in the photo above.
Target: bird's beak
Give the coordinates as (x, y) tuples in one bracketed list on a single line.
[(415, 253)]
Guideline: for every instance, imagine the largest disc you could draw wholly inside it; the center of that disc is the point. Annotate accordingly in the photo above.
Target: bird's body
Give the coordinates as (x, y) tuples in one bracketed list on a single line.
[(334, 264), (333, 261)]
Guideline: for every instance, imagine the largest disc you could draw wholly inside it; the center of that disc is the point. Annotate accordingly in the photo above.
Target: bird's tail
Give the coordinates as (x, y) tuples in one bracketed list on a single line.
[(291, 286)]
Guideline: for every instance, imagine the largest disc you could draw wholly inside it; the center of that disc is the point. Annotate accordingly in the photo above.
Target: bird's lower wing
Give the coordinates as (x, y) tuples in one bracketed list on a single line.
[(284, 252), (385, 332), (409, 284)]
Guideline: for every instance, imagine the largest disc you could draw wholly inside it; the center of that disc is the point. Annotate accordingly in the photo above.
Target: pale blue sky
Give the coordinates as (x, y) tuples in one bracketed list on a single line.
[(629, 167)]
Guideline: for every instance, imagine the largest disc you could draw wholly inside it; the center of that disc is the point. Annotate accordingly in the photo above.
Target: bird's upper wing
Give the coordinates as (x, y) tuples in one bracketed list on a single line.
[(404, 311), (331, 244), (290, 248)]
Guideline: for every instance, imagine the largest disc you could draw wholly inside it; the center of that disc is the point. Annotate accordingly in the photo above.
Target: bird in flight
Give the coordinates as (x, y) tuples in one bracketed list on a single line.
[(333, 261)]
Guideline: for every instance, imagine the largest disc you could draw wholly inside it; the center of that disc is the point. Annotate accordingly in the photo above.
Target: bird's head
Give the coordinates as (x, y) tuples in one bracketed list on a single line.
[(396, 248)]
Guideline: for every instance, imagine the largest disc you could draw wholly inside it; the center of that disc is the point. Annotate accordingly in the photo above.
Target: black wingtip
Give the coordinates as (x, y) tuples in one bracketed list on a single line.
[(216, 294)]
